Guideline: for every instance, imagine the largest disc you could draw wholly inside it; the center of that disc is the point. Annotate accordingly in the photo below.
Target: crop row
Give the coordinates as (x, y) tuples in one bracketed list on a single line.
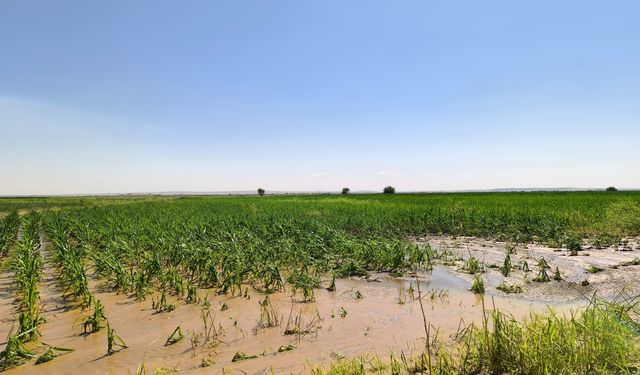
[(8, 231)]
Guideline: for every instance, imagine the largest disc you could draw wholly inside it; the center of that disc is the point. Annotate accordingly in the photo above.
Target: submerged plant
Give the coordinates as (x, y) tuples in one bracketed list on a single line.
[(114, 341), (478, 285), (242, 356), (175, 337), (161, 305), (286, 348), (556, 275), (332, 285), (594, 269), (268, 315), (509, 288), (472, 266), (14, 352), (542, 276), (51, 353), (297, 325), (192, 294), (506, 266), (94, 323)]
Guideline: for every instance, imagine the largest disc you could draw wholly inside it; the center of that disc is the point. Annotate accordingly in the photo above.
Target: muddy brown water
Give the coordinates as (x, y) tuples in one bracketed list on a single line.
[(373, 324)]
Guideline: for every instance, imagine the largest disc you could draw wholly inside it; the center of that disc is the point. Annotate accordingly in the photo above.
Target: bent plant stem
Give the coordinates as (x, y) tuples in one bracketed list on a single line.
[(175, 337), (114, 340), (427, 327)]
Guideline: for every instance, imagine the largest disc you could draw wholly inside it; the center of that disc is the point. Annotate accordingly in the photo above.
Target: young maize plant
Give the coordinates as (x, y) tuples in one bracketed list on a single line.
[(114, 341), (51, 353), (27, 267), (95, 322), (68, 260), (542, 276), (506, 266), (14, 352), (8, 232), (161, 305)]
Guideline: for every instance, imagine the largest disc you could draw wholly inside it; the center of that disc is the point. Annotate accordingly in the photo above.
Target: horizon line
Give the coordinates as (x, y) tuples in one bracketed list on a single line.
[(309, 192)]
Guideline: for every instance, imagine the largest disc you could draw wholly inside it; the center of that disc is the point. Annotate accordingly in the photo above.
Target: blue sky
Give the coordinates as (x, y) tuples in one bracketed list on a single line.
[(131, 96)]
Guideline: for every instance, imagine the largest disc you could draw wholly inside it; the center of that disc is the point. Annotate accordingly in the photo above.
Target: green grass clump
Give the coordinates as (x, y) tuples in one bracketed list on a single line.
[(478, 285), (594, 341), (601, 339), (594, 269), (472, 266)]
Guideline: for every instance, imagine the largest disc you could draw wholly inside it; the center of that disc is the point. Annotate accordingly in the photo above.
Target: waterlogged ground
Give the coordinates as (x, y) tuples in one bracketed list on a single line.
[(608, 272), (377, 315), (385, 320)]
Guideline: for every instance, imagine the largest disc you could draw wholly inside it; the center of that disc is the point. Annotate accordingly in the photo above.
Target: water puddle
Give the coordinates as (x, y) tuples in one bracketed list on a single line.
[(374, 315)]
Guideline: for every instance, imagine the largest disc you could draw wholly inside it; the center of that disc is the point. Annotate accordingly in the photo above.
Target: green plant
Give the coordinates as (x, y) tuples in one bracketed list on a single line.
[(51, 353), (175, 337), (286, 348), (477, 286), (332, 285), (389, 190), (594, 269), (192, 294), (268, 315), (241, 356), (506, 266), (94, 323), (161, 304), (542, 276), (299, 326), (342, 312), (509, 288), (114, 341), (472, 266), (14, 352)]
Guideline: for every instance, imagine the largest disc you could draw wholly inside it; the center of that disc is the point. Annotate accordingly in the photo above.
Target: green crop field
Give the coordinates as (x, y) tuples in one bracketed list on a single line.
[(226, 244)]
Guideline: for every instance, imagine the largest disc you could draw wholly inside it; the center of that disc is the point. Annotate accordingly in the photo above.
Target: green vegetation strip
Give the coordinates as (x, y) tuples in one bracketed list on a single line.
[(602, 339)]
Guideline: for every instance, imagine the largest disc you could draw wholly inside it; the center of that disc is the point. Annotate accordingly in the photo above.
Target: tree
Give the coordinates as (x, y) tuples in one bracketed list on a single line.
[(345, 190), (389, 190), (612, 188), (261, 191)]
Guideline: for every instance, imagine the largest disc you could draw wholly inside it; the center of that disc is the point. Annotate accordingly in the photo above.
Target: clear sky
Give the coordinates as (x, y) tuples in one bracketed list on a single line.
[(132, 96)]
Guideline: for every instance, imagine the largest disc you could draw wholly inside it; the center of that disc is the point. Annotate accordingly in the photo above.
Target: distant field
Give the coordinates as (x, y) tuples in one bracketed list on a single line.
[(550, 217)]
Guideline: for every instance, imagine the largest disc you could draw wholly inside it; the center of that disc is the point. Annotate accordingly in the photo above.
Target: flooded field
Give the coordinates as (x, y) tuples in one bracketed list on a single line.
[(296, 286), (383, 320)]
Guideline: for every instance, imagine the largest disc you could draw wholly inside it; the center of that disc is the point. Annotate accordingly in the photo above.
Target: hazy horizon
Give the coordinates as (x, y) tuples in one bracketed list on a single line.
[(161, 96)]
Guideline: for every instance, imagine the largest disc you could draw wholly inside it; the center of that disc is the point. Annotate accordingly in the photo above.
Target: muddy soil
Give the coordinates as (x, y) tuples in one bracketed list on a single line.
[(373, 315), (610, 273), (384, 320)]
